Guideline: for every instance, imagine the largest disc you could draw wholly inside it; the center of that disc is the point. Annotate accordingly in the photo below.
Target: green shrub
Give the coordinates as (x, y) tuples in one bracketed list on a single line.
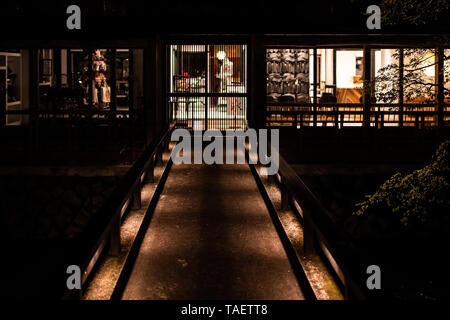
[(419, 199)]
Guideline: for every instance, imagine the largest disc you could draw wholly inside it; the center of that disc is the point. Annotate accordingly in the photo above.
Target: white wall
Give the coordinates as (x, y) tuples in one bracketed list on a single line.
[(346, 68)]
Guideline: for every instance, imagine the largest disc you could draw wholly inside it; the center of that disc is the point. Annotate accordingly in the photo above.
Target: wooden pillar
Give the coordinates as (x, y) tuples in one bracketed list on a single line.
[(401, 64), (334, 74), (57, 67), (440, 85), (131, 83), (34, 79), (113, 103), (90, 77), (367, 85), (161, 97), (34, 100), (315, 87), (69, 69), (257, 111), (148, 91)]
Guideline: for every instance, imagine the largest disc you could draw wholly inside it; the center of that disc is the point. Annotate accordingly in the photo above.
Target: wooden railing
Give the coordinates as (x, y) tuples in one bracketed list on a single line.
[(320, 233), (341, 115), (105, 229)]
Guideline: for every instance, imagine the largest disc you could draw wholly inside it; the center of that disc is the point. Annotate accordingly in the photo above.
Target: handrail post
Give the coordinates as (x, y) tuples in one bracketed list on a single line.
[(137, 197), (284, 196), (151, 172), (336, 116), (114, 237), (159, 155), (308, 234)]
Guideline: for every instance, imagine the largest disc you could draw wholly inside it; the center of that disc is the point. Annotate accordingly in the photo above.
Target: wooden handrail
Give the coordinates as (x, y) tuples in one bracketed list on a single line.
[(320, 231), (106, 226)]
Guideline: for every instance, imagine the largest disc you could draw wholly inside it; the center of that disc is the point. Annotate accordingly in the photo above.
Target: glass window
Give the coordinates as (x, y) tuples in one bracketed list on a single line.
[(91, 76), (45, 66), (419, 80), (385, 75), (11, 90), (207, 85), (101, 90), (13, 80), (188, 69), (289, 75), (122, 79), (78, 60), (349, 73)]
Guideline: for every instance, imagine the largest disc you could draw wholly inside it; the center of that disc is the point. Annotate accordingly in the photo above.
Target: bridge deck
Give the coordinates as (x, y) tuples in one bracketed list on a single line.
[(211, 237)]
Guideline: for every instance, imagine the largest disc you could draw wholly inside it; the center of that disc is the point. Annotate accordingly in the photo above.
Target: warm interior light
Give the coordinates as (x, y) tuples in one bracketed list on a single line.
[(221, 55)]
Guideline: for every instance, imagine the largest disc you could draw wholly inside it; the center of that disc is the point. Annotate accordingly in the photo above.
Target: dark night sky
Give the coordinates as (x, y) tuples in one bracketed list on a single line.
[(140, 18)]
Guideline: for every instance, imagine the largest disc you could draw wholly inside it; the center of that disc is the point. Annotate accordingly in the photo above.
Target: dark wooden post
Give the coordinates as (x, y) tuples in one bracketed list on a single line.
[(90, 77), (34, 99), (137, 197), (315, 87), (257, 111), (57, 67), (284, 196), (440, 89), (308, 233), (151, 173), (367, 85), (114, 237), (131, 83), (148, 90), (153, 89), (113, 103), (401, 64), (160, 96), (69, 69)]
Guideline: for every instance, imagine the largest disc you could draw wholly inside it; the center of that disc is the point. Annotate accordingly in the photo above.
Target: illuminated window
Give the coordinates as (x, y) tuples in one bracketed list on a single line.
[(419, 80)]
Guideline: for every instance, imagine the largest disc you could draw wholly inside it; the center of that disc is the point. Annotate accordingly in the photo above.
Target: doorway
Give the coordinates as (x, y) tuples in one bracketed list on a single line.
[(207, 86)]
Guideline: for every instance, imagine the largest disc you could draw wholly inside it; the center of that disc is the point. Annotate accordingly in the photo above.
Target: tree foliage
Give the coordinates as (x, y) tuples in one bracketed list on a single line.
[(413, 12), (416, 83), (416, 199)]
